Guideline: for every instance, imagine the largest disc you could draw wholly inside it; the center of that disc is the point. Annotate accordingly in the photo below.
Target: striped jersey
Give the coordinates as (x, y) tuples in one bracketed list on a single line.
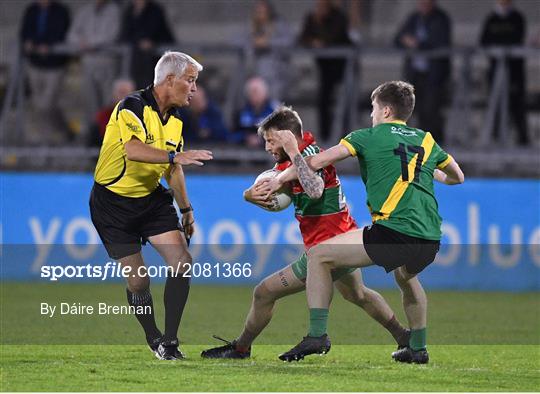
[(397, 164), (327, 216)]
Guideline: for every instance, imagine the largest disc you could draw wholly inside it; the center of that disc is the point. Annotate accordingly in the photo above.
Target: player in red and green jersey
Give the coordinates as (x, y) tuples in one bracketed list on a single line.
[(398, 164), (322, 214)]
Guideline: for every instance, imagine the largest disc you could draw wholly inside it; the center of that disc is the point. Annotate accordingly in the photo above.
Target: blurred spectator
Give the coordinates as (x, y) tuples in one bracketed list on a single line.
[(121, 88), (258, 106), (145, 27), (429, 27), (203, 120), (505, 26), (45, 24), (535, 40), (359, 17), (96, 25), (267, 31), (326, 26)]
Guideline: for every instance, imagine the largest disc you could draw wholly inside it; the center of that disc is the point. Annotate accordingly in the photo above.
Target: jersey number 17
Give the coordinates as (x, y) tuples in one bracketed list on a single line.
[(401, 151)]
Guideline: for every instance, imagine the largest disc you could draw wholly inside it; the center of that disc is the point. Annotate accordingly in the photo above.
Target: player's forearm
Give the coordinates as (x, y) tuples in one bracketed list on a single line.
[(289, 174), (450, 175), (447, 179), (453, 181), (439, 176), (312, 184), (138, 151), (316, 162), (177, 182), (328, 157)]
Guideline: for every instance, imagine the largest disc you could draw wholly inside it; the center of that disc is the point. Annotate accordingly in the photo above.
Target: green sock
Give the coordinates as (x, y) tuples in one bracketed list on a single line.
[(418, 339), (318, 318)]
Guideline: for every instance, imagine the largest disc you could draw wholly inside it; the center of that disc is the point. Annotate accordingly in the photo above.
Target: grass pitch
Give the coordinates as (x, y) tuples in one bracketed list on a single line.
[(345, 368), (477, 342)]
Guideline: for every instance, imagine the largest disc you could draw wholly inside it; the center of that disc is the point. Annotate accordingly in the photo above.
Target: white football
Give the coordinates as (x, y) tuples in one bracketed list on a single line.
[(281, 199)]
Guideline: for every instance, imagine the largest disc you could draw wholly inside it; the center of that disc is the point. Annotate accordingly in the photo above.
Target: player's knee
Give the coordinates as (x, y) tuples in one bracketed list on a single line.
[(404, 280), (315, 254), (138, 284), (186, 257), (181, 264), (356, 296), (318, 255), (398, 275), (361, 295), (261, 293)]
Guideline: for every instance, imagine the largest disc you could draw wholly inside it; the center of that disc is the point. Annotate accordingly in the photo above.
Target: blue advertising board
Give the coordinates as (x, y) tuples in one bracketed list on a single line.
[(491, 231)]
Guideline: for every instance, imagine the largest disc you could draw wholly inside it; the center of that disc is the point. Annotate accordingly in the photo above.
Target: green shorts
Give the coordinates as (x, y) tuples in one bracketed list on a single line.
[(299, 268)]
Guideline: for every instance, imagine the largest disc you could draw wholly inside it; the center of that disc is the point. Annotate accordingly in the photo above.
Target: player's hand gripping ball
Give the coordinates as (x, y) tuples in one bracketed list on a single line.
[(280, 199)]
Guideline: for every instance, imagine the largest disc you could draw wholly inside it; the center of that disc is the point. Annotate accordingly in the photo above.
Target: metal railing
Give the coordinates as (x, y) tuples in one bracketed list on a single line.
[(347, 109)]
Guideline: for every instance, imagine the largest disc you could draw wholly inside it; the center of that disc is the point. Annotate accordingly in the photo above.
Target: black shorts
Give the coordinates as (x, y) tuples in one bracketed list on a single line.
[(124, 223), (391, 249)]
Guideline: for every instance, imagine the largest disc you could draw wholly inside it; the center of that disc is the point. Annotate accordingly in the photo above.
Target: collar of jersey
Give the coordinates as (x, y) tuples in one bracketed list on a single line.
[(397, 122), (307, 139), (149, 96)]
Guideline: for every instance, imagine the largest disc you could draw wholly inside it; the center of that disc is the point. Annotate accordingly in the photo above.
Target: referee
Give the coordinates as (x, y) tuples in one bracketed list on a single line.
[(128, 205)]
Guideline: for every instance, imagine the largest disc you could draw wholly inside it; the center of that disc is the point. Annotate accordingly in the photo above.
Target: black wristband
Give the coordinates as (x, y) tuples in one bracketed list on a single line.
[(186, 210), (172, 155)]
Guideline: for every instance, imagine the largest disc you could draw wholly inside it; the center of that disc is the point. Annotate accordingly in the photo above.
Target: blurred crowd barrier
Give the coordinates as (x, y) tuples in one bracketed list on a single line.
[(471, 111)]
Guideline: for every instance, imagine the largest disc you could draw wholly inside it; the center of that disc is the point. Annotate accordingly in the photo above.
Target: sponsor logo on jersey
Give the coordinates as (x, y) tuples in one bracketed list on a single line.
[(400, 131), (134, 128), (150, 139)]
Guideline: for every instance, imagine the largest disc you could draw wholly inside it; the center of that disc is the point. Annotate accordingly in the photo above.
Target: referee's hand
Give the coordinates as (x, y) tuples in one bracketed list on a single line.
[(192, 157), (188, 223)]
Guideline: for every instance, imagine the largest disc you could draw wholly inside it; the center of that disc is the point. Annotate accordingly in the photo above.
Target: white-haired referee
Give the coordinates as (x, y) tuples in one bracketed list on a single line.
[(143, 142)]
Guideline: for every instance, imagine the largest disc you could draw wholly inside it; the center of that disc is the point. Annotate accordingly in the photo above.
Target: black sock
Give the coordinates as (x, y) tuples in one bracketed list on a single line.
[(147, 320), (175, 297)]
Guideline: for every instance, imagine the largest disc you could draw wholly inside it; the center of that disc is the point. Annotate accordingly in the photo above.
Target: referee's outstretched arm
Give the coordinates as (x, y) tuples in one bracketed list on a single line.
[(136, 150)]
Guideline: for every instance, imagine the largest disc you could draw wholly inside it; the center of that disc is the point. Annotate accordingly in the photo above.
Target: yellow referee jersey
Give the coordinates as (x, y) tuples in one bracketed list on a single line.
[(138, 116)]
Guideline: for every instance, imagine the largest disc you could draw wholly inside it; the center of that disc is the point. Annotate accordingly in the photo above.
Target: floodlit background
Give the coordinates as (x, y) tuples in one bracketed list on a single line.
[(476, 68)]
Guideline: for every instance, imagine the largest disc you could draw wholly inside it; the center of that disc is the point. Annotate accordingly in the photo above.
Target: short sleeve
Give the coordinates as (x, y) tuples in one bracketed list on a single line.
[(180, 147), (131, 120), (355, 142), (442, 159), (311, 150)]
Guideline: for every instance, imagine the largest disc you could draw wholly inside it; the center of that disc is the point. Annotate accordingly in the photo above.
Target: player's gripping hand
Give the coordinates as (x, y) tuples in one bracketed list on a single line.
[(193, 157), (257, 196), (269, 186), (287, 140)]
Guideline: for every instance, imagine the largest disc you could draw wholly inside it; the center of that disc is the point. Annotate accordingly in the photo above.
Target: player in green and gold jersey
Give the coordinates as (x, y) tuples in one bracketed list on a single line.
[(398, 164)]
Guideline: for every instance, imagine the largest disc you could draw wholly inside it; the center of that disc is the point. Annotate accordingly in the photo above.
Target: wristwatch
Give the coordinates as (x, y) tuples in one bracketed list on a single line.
[(186, 210), (172, 155)]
